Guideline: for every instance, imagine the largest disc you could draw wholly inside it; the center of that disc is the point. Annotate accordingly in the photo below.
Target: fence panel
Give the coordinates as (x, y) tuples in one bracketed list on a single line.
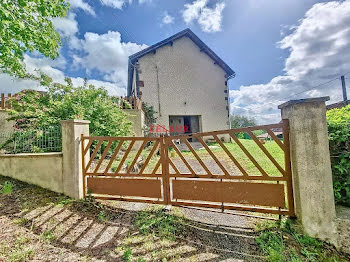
[(44, 140)]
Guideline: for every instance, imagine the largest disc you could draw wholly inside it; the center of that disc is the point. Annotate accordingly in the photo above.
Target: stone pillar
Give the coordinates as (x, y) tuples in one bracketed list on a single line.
[(311, 166), (72, 156)]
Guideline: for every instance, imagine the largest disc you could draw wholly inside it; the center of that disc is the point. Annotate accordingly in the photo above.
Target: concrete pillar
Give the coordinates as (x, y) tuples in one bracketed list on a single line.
[(311, 166), (72, 156)]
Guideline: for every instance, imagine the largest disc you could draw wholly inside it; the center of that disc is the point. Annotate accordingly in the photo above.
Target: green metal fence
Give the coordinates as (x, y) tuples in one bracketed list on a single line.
[(33, 141)]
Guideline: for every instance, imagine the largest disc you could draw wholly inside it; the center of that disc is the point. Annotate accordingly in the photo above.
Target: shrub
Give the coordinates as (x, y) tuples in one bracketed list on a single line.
[(338, 121)]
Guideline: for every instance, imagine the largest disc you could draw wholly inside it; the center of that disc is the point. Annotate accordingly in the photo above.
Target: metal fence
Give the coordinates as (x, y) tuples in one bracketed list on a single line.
[(32, 141)]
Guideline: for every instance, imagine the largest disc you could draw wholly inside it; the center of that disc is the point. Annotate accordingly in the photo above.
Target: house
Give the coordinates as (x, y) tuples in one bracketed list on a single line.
[(184, 81)]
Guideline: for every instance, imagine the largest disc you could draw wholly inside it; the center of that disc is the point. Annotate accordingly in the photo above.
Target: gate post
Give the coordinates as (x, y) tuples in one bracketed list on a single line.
[(72, 156), (311, 166)]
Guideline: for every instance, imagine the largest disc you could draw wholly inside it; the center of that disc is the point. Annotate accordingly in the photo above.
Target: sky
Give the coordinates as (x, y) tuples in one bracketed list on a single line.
[(278, 49)]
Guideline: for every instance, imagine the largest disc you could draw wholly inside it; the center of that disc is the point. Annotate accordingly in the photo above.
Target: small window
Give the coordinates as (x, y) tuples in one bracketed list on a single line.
[(179, 121), (171, 121)]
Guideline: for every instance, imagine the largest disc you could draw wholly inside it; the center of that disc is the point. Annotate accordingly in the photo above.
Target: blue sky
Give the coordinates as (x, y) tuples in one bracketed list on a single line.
[(277, 48)]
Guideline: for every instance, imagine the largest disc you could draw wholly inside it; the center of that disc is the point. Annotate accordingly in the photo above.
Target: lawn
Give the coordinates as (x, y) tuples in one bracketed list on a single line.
[(261, 158), (241, 157)]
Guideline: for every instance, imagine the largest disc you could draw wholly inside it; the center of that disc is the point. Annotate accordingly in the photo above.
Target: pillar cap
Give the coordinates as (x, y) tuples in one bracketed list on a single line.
[(301, 101), (75, 121)]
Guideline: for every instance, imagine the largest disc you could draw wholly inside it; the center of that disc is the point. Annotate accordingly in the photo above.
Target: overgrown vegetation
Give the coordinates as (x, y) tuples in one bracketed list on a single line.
[(338, 121), (284, 241), (32, 110)]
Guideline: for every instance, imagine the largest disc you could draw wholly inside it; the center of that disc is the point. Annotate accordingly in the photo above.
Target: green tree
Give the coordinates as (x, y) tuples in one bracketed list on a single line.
[(34, 110), (26, 26), (238, 121)]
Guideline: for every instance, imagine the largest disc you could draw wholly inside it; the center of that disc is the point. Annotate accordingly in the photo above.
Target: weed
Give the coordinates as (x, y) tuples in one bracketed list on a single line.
[(6, 188), (140, 259), (65, 201), (103, 216), (127, 255), (22, 221), (284, 241), (160, 223), (47, 236)]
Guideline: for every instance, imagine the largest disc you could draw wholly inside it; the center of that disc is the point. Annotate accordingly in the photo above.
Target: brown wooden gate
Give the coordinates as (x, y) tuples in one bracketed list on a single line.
[(250, 173)]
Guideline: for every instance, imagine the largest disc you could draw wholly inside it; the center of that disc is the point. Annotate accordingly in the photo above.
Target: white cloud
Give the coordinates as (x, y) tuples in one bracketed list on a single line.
[(119, 4), (68, 29), (82, 5), (319, 51), (209, 19), (108, 55), (51, 68), (167, 19)]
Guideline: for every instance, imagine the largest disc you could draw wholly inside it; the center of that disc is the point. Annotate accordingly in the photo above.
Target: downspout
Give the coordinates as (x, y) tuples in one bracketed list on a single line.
[(228, 99), (158, 91)]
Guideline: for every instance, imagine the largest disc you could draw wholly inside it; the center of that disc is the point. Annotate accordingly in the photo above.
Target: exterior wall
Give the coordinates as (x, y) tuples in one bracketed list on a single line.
[(4, 124), (185, 81), (44, 169), (137, 117)]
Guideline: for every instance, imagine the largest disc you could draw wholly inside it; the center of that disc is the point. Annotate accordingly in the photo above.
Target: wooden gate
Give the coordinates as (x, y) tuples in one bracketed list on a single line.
[(244, 169)]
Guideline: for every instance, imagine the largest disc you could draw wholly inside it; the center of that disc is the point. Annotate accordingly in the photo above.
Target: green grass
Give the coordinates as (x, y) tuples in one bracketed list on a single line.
[(284, 241), (6, 188), (271, 146)]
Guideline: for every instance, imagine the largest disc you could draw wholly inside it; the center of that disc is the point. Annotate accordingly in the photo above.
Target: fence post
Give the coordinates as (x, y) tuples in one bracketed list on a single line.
[(72, 156), (311, 166)]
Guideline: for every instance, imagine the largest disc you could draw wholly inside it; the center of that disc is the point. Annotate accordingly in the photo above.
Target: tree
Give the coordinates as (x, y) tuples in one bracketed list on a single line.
[(34, 110), (26, 26), (238, 121)]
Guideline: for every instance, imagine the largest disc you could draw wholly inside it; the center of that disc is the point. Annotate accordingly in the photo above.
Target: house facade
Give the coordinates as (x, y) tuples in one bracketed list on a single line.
[(184, 81)]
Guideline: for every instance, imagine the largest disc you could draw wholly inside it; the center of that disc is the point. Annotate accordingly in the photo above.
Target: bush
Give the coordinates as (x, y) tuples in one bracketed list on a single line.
[(34, 110), (338, 121)]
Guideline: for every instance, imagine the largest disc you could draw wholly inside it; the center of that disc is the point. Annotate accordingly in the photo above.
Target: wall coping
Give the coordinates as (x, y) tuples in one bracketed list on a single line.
[(29, 155), (75, 121), (301, 101)]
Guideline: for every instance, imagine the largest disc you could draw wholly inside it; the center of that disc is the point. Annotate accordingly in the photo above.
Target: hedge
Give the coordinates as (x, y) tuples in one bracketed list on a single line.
[(338, 121)]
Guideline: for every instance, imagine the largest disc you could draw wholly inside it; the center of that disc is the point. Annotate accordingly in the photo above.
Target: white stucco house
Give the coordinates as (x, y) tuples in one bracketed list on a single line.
[(184, 81)]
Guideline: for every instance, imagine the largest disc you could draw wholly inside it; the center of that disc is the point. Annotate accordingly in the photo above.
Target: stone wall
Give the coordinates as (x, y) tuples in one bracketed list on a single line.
[(43, 169), (137, 118)]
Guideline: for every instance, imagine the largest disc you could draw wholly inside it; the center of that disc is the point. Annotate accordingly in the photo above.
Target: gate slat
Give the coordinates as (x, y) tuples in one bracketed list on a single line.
[(137, 156), (105, 152), (262, 171), (124, 157), (196, 156), (212, 155), (245, 174), (267, 153), (182, 157), (275, 138), (93, 155), (116, 151), (149, 157)]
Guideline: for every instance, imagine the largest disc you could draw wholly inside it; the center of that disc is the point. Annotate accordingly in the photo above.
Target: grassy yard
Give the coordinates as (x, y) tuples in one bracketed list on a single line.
[(241, 157)]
